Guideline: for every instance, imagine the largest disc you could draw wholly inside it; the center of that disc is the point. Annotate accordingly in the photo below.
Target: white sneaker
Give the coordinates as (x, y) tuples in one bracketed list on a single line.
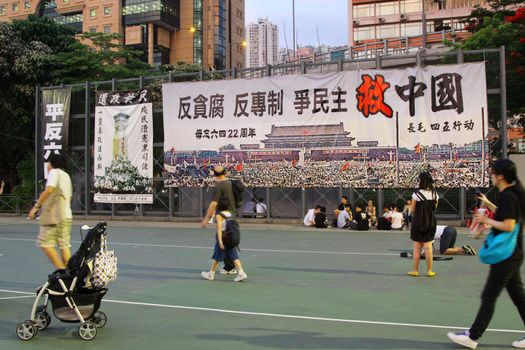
[(225, 272), (520, 344), (207, 275), (241, 276), (463, 339)]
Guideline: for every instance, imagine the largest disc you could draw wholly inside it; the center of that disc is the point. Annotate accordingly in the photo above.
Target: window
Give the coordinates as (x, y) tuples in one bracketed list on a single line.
[(411, 29), (14, 7), (408, 6), (107, 30), (2, 10), (27, 5), (387, 31), (363, 33), (387, 8), (107, 10), (93, 29), (93, 13), (363, 11)]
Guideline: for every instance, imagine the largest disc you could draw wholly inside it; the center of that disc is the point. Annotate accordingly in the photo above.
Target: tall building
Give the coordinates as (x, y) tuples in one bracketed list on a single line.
[(374, 20), (205, 32), (263, 43)]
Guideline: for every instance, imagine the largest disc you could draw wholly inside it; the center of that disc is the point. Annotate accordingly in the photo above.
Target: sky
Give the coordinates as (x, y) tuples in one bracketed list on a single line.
[(330, 16)]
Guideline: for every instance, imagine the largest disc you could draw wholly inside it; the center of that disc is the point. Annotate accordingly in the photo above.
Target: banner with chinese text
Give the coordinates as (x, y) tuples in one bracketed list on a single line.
[(123, 147), (55, 123), (368, 128)]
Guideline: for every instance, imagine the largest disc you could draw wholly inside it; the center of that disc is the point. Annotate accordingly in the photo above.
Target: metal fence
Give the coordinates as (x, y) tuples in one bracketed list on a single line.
[(281, 202)]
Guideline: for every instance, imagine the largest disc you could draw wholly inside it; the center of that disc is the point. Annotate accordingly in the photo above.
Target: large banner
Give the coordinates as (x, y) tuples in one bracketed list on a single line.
[(123, 147), (55, 123), (368, 128)]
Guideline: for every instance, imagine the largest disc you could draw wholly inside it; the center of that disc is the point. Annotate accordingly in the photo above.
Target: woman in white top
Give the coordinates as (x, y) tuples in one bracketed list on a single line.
[(424, 204)]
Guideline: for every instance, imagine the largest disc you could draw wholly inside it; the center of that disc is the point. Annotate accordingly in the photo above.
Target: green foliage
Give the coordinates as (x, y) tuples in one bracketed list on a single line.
[(493, 27), (26, 174), (38, 51)]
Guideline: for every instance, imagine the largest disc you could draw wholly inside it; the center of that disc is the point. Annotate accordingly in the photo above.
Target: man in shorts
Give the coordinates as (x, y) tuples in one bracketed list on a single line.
[(56, 235)]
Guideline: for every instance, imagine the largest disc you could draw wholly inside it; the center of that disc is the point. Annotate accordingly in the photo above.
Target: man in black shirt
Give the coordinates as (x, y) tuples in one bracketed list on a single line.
[(362, 219)]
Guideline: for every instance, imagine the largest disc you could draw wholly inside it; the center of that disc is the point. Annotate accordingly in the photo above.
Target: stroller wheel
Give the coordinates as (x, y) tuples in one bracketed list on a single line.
[(87, 330), (26, 330), (100, 319), (42, 320)]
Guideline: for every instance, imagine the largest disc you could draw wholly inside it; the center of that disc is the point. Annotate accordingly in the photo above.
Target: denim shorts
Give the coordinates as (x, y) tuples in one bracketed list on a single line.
[(220, 255)]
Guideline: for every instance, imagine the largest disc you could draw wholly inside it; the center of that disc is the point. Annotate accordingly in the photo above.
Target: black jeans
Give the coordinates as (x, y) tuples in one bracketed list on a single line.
[(503, 275)]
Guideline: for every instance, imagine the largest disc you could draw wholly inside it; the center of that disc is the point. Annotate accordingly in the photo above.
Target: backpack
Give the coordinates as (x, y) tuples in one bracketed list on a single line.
[(424, 221), (231, 237), (238, 188)]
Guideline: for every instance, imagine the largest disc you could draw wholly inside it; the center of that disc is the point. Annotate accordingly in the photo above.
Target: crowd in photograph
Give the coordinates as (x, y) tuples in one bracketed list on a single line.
[(357, 174)]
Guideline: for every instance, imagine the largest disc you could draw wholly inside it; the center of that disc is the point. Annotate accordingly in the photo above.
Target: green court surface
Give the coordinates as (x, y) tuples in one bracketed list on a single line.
[(306, 289)]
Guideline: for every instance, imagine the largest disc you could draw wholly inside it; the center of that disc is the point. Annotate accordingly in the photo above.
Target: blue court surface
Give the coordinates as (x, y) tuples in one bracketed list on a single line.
[(306, 289)]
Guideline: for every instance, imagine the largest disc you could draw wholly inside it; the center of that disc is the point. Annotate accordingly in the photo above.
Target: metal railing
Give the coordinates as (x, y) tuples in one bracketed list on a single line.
[(281, 202)]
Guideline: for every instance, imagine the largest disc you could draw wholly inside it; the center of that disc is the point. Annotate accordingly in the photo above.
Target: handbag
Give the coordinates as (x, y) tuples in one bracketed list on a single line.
[(53, 210), (104, 266), (498, 248)]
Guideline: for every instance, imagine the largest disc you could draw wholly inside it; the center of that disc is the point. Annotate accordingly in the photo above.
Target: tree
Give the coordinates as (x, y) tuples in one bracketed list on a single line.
[(38, 51), (503, 23)]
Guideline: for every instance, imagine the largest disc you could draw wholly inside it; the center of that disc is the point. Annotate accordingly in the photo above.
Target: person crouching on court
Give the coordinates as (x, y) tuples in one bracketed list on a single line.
[(220, 252)]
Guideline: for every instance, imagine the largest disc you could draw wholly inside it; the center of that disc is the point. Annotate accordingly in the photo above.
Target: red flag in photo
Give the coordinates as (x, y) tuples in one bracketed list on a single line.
[(344, 167), (239, 167), (418, 148)]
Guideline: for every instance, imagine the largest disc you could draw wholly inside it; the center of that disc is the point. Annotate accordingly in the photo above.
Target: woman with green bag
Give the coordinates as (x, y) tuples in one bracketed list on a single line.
[(505, 271)]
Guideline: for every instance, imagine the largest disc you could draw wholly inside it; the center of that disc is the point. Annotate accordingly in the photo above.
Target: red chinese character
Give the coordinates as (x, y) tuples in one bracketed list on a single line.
[(370, 96)]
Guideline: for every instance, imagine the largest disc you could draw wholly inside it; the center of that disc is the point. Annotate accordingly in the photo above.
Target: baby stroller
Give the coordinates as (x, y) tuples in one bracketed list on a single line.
[(73, 298)]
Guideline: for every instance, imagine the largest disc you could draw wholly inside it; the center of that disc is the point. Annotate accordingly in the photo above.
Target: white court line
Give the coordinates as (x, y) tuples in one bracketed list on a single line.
[(19, 297), (209, 248), (297, 317)]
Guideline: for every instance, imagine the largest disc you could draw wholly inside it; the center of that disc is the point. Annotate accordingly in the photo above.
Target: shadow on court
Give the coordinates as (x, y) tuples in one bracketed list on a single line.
[(334, 271), (313, 340)]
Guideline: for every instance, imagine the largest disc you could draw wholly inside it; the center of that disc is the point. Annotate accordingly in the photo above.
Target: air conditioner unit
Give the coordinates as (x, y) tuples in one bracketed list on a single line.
[(382, 20), (356, 22), (403, 17)]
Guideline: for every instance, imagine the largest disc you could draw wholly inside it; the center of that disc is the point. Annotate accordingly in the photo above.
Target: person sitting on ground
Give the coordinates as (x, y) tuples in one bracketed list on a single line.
[(387, 213), (260, 208), (446, 235), (362, 219), (345, 217), (397, 219), (249, 208), (309, 219), (320, 218), (371, 211), (341, 206), (407, 212), (383, 224)]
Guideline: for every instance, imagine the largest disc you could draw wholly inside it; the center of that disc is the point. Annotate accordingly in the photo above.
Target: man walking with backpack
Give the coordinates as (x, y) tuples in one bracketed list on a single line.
[(231, 192)]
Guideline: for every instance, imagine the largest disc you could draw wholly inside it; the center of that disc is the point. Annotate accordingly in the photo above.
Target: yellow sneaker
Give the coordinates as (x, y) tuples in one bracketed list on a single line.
[(431, 274), (413, 273)]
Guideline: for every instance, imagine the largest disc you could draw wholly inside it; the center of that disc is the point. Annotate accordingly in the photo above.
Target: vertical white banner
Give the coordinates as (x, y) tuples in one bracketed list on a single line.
[(123, 147)]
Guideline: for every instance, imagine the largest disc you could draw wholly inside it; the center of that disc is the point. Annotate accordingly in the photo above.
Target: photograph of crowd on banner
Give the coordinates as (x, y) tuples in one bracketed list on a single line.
[(367, 128), (123, 147)]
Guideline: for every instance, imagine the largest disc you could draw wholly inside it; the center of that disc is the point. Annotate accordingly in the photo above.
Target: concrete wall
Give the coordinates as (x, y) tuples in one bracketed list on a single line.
[(519, 159)]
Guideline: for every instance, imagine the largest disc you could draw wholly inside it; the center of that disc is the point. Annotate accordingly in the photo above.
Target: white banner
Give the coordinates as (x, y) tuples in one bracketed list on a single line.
[(123, 147), (369, 128)]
